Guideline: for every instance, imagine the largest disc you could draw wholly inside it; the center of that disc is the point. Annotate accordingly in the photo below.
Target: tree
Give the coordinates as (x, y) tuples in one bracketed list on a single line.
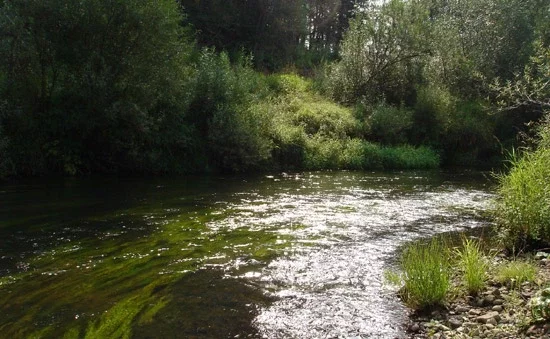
[(91, 81), (380, 46)]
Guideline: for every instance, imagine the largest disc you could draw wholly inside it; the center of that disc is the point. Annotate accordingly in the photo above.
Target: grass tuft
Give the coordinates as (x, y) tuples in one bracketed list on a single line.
[(473, 265), (426, 273)]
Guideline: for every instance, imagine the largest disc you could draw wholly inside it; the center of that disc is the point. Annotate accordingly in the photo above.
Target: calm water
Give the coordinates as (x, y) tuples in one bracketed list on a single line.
[(282, 256)]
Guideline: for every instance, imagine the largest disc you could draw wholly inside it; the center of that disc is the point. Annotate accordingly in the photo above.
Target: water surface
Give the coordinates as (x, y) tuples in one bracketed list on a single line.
[(272, 256)]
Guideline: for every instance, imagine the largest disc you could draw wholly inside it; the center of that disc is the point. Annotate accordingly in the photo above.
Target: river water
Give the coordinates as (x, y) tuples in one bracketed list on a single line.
[(297, 255)]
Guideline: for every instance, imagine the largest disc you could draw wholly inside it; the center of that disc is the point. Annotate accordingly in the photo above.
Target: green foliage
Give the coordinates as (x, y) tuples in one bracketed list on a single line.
[(408, 157), (97, 84), (234, 133), (473, 265), (311, 132), (378, 50), (426, 273), (523, 203), (515, 273), (540, 305), (432, 112), (390, 125)]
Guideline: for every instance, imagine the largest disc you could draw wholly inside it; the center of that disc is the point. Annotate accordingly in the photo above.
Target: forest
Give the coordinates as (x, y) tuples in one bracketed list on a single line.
[(185, 86)]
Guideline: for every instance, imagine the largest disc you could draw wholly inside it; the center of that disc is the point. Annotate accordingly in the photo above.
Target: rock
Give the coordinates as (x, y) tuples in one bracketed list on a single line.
[(496, 292), (488, 300), (492, 321), (436, 315), (455, 323), (484, 319), (462, 309), (497, 308), (414, 328), (474, 311), (489, 326), (479, 302), (498, 302)]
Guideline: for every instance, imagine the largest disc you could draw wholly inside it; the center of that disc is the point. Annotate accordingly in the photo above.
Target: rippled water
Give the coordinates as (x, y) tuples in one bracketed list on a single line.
[(282, 256)]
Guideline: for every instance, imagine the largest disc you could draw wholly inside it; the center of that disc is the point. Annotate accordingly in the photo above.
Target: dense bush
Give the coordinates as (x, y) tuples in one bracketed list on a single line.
[(233, 133), (390, 125), (310, 132)]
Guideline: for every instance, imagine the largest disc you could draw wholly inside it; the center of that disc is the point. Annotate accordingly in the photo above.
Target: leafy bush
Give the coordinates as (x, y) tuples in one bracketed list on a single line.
[(540, 305), (234, 133), (469, 134), (473, 266), (523, 202), (390, 125), (432, 112), (409, 157), (426, 273), (515, 273)]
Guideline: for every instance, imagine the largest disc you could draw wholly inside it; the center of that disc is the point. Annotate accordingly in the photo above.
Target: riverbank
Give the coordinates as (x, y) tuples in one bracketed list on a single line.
[(503, 309)]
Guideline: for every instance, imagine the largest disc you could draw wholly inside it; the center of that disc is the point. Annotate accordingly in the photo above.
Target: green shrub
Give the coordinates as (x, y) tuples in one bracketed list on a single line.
[(468, 137), (540, 305), (426, 273), (523, 202), (94, 82), (434, 106), (473, 265), (236, 134), (515, 273), (390, 125), (409, 157)]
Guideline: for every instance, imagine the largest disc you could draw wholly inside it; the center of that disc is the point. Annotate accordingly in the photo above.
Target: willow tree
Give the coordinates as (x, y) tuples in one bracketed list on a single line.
[(378, 50)]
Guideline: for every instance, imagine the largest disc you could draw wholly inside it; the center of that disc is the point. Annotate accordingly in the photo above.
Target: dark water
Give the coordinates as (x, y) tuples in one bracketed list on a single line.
[(282, 256)]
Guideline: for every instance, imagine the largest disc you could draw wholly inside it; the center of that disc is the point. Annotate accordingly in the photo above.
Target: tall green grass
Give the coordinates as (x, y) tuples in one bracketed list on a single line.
[(426, 273), (523, 203), (473, 266)]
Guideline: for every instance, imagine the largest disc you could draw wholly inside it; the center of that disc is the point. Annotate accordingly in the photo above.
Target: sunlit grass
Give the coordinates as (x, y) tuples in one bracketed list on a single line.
[(473, 266), (515, 273), (426, 273), (523, 204)]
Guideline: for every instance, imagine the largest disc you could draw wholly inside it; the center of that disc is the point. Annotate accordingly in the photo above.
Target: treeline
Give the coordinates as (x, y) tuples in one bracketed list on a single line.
[(194, 86)]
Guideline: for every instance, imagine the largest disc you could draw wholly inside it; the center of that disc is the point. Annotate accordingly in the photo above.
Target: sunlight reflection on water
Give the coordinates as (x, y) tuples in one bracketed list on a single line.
[(329, 283)]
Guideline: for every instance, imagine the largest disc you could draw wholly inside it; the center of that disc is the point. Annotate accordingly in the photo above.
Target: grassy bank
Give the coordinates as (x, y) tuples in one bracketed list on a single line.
[(469, 290), (498, 290)]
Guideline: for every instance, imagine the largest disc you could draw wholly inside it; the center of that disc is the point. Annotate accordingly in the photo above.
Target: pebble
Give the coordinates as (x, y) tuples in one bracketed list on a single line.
[(488, 300), (492, 321), (455, 323), (474, 311), (461, 309), (497, 308), (414, 327), (488, 318), (498, 302)]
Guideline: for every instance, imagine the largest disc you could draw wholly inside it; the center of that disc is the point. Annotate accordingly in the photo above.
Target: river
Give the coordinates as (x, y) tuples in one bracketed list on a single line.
[(298, 255)]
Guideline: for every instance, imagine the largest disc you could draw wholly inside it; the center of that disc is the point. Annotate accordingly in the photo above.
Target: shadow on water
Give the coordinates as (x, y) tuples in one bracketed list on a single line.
[(207, 304)]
